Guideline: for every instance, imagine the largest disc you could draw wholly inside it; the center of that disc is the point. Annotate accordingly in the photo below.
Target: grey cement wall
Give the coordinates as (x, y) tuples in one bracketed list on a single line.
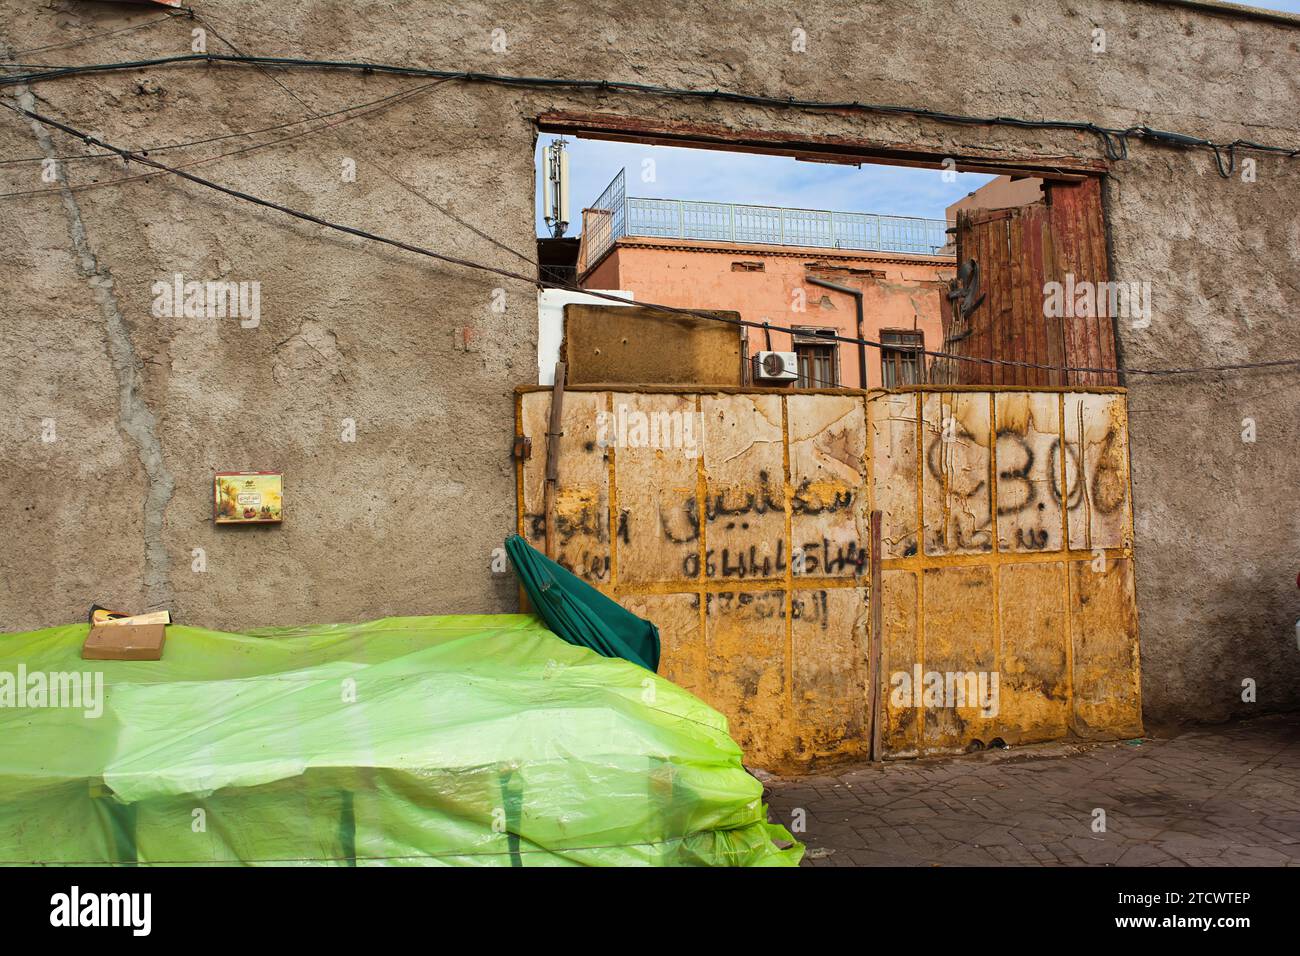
[(404, 519)]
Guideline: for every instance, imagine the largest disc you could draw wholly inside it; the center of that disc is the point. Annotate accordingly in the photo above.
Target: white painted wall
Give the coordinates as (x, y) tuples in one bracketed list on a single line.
[(550, 324)]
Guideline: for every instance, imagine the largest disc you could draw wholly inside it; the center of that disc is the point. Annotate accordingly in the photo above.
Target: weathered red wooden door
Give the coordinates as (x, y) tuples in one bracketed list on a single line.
[(1008, 258)]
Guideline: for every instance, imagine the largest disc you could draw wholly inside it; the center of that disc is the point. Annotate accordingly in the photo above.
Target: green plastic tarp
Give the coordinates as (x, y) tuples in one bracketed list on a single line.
[(579, 613), (456, 740)]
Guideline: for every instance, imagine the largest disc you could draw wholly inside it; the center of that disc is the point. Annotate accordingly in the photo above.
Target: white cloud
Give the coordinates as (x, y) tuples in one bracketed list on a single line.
[(718, 176)]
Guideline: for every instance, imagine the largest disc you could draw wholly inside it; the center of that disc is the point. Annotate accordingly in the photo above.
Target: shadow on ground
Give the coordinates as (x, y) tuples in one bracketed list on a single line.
[(1213, 796)]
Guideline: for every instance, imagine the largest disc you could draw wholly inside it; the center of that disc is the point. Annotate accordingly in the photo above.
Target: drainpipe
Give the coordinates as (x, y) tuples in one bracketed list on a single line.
[(857, 299)]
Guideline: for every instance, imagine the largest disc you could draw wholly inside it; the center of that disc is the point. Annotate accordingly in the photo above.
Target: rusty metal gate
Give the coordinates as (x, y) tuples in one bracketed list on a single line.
[(737, 520)]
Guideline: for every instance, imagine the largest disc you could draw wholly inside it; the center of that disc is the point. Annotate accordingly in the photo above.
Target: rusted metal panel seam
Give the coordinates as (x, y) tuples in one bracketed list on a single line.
[(702, 521), (789, 554), (920, 550), (1069, 582), (612, 494)]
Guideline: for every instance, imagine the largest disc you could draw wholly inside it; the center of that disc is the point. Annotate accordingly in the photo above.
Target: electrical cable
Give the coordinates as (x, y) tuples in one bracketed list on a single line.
[(82, 187), (537, 282), (150, 150), (96, 36), (1114, 140), (408, 187)]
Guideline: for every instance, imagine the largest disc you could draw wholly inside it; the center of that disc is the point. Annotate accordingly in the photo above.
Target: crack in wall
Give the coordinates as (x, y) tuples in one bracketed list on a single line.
[(134, 416)]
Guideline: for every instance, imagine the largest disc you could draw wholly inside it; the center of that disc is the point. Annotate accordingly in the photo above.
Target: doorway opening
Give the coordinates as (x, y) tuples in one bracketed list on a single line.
[(843, 270)]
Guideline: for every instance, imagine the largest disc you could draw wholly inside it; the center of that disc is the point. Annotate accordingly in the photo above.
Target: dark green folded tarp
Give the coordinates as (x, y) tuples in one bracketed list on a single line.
[(579, 613)]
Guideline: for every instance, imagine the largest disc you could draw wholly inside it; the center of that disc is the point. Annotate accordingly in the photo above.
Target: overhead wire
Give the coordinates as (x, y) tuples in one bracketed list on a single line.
[(386, 102), (1114, 140), (537, 281), (150, 150), (171, 15), (408, 187)]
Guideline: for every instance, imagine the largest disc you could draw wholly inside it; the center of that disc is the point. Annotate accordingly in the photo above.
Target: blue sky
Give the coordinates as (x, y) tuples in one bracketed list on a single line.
[(765, 180), (751, 178)]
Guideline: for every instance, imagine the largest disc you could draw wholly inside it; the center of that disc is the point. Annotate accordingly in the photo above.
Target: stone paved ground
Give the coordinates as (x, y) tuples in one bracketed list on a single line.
[(1218, 796)]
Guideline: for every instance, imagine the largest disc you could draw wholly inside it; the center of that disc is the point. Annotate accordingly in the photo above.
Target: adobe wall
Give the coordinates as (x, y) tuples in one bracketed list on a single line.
[(404, 518)]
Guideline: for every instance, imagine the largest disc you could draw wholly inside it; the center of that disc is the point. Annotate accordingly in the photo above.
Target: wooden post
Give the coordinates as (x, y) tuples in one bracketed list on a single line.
[(553, 457), (877, 636)]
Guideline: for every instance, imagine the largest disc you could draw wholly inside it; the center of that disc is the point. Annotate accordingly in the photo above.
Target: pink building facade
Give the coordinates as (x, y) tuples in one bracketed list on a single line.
[(903, 298)]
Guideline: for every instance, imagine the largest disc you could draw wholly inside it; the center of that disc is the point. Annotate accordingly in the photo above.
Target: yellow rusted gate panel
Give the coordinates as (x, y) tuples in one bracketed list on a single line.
[(1004, 480), (738, 534), (737, 521)]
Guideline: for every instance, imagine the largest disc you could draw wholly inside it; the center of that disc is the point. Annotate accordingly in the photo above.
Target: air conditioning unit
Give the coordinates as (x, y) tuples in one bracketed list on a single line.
[(776, 366)]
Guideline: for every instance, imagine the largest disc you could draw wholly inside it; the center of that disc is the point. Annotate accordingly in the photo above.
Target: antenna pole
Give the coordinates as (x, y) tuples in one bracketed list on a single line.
[(555, 163)]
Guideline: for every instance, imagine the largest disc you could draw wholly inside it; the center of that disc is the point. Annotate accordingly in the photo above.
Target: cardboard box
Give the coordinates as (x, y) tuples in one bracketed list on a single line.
[(102, 616), (124, 642)]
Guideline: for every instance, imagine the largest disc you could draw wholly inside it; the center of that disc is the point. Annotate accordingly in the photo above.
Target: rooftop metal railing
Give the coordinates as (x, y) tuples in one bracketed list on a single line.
[(615, 215)]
